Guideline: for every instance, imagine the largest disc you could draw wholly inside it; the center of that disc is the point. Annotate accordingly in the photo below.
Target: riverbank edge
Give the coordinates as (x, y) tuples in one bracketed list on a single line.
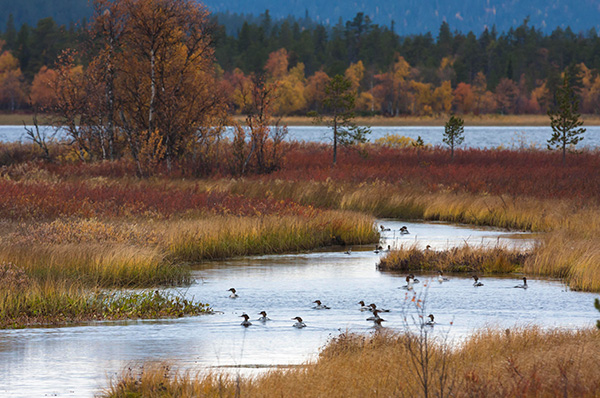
[(492, 362), (470, 120)]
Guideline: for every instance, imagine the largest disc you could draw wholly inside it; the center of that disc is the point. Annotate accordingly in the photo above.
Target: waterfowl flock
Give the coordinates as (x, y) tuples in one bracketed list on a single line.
[(375, 311)]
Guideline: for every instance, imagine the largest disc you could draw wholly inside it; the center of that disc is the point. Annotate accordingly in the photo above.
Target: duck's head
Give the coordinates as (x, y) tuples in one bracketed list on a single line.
[(297, 319), (476, 278), (373, 305), (430, 316), (361, 303), (232, 290), (317, 302), (245, 316), (263, 313)]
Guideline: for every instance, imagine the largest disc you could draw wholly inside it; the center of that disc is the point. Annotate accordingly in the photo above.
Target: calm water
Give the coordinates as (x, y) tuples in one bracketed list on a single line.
[(476, 137), (77, 360)]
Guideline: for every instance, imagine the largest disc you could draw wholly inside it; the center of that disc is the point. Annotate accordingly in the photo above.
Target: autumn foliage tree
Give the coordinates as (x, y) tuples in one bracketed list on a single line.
[(151, 86), (257, 147)]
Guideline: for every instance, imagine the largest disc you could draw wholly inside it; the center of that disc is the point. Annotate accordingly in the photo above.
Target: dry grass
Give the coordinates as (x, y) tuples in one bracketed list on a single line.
[(524, 363), (221, 237), (145, 253), (400, 201), (462, 259)]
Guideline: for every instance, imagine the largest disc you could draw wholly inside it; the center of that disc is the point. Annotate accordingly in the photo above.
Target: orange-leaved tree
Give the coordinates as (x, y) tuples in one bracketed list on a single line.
[(151, 86)]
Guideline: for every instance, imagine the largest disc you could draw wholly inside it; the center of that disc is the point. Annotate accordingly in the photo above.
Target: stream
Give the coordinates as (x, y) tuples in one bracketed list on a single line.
[(79, 360)]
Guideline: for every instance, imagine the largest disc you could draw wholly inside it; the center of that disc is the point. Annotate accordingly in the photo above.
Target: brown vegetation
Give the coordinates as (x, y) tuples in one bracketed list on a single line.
[(526, 363)]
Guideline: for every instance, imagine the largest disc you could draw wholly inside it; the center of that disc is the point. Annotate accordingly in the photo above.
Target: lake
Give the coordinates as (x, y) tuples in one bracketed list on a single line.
[(475, 137)]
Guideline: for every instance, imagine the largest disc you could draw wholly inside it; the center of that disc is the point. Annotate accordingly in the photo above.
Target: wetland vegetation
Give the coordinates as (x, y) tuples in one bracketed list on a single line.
[(94, 227)]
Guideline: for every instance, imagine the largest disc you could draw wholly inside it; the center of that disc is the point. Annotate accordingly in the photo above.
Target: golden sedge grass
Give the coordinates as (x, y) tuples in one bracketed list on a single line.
[(525, 362), (215, 238), (462, 259)]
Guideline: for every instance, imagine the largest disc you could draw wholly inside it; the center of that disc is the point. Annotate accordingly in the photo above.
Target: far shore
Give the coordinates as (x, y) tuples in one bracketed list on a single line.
[(17, 119)]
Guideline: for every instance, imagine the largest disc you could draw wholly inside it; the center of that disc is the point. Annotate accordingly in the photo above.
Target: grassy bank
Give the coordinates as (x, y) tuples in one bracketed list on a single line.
[(525, 363), (462, 259), (25, 301), (17, 119)]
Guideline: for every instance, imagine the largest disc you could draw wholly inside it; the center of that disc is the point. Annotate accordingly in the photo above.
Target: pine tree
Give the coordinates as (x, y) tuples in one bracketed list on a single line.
[(454, 133), (339, 102), (565, 120)]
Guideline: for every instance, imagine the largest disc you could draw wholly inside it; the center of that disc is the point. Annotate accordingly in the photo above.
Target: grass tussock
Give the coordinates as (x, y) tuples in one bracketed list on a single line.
[(462, 259), (525, 363)]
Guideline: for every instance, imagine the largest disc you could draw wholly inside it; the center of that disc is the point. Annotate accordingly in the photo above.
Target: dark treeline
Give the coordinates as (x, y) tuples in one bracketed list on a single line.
[(524, 50), (521, 51), (494, 72)]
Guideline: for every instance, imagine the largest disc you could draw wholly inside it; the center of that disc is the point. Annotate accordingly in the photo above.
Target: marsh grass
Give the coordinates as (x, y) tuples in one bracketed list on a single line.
[(385, 200), (216, 238), (492, 363), (97, 265), (60, 302), (495, 259)]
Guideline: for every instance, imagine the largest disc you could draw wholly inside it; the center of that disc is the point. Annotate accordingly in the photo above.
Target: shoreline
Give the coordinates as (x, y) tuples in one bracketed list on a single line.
[(17, 119)]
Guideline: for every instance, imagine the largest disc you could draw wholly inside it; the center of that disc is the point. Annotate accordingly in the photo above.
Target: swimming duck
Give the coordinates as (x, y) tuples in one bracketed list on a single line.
[(364, 307), (383, 229), (477, 283), (245, 322), (263, 318), (374, 316), (441, 277), (233, 293), (524, 285), (378, 248), (389, 248), (348, 252), (299, 323), (430, 322), (412, 276), (404, 230), (320, 306), (373, 307), (409, 283), (377, 323)]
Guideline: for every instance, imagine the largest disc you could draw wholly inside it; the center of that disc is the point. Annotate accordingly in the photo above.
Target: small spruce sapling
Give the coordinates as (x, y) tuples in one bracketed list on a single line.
[(454, 131)]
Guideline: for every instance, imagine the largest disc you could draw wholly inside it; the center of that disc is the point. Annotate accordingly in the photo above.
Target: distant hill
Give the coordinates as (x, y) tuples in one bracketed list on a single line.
[(420, 16), (31, 11), (409, 16)]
